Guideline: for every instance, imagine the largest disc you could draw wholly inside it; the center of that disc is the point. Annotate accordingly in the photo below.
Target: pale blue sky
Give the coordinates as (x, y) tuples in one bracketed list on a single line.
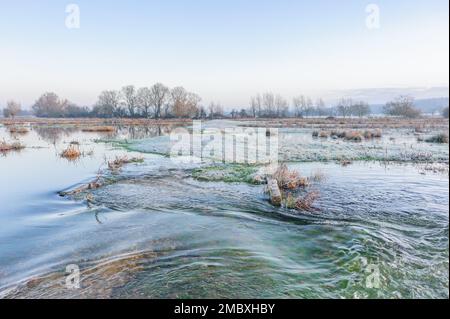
[(223, 50)]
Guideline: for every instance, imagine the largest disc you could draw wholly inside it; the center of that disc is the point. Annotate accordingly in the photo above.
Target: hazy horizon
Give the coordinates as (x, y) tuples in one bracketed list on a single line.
[(373, 96), (225, 52)]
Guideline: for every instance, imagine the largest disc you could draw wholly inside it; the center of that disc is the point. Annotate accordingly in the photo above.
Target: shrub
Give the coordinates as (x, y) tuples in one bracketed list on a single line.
[(288, 179), (440, 138), (71, 153), (372, 134), (323, 134), (353, 136)]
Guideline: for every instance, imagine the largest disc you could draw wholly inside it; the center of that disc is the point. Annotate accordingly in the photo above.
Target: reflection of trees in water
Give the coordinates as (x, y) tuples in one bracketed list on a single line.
[(143, 131), (53, 135)]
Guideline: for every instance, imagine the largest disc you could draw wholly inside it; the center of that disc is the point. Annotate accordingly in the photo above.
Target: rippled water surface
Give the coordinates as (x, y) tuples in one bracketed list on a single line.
[(158, 232)]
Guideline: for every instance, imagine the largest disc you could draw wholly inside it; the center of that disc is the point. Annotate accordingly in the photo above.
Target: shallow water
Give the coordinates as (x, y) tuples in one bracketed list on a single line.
[(157, 232)]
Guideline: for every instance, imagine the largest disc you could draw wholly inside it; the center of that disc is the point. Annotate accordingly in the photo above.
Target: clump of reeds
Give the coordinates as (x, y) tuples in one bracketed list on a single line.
[(354, 136), (372, 134), (324, 134), (71, 153), (288, 179), (5, 147), (118, 162), (284, 185), (441, 138), (338, 134), (18, 130), (98, 129), (321, 134)]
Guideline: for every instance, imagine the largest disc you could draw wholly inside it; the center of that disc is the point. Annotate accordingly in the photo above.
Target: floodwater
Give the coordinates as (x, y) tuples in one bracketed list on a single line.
[(378, 229)]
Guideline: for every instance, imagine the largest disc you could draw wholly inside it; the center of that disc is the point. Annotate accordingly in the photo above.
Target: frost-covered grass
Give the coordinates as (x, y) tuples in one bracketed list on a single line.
[(231, 173), (393, 144), (396, 145)]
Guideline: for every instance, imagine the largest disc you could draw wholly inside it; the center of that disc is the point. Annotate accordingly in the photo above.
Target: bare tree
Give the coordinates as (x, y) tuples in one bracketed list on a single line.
[(402, 106), (161, 94), (360, 109), (215, 110), (178, 98), (130, 99), (301, 105), (281, 106), (253, 106), (50, 105), (268, 101), (296, 103), (184, 104), (309, 110), (108, 104), (258, 100), (320, 107), (12, 108), (145, 101), (192, 102), (344, 107)]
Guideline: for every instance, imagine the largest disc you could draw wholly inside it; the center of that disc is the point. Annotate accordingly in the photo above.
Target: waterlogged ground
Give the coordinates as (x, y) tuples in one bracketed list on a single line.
[(171, 229)]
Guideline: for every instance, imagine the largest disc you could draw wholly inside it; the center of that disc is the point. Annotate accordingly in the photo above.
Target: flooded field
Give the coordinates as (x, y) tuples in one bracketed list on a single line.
[(158, 228)]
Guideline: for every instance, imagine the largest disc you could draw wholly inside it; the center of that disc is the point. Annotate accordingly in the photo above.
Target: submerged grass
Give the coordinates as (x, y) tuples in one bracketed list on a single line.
[(116, 164), (229, 173)]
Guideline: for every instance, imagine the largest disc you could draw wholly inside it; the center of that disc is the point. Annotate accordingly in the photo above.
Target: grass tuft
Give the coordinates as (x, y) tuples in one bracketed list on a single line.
[(71, 153)]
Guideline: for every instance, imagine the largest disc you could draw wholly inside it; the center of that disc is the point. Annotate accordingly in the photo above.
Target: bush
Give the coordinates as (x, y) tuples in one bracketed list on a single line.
[(353, 136), (440, 138)]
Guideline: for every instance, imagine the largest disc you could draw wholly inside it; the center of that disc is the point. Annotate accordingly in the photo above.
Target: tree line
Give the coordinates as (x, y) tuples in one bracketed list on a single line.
[(159, 101), (274, 105)]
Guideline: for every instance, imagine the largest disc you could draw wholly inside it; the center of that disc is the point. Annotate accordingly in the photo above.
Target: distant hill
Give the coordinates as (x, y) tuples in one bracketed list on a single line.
[(428, 106)]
